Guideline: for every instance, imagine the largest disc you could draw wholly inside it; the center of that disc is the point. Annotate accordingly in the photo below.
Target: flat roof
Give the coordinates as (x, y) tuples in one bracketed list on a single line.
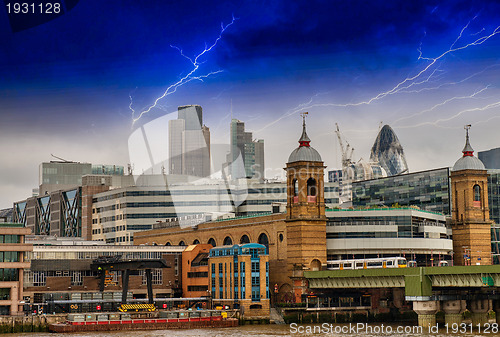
[(110, 248), (388, 209)]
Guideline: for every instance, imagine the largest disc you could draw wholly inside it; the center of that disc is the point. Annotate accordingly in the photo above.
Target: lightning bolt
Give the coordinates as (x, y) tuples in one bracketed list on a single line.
[(432, 61), (430, 72), (448, 83), (473, 95), (436, 123), (190, 76)]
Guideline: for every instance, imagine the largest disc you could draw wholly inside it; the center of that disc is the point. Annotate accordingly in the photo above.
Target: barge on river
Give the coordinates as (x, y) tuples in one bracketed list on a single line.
[(127, 321)]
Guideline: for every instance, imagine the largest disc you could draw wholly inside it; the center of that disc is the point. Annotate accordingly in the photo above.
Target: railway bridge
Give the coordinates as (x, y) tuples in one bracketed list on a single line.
[(451, 289)]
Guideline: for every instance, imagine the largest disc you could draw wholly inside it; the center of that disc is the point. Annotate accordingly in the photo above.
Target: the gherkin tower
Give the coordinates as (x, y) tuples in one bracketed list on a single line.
[(388, 152)]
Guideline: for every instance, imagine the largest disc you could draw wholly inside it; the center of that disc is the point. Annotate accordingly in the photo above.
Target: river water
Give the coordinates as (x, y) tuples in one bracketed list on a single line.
[(367, 330)]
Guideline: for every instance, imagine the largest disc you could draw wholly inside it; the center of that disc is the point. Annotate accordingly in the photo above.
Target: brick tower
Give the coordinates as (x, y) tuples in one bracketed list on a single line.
[(471, 224), (305, 219)]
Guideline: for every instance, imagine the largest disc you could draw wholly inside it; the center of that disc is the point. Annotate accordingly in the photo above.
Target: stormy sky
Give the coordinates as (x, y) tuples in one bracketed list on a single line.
[(426, 68)]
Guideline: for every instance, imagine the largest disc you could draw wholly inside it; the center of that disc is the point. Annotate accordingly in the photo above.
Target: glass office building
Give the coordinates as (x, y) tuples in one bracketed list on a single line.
[(428, 190), (494, 204), (239, 276), (386, 232), (388, 152)]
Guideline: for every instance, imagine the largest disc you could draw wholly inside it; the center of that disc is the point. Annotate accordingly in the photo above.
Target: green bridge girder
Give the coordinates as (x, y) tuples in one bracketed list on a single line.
[(416, 281)]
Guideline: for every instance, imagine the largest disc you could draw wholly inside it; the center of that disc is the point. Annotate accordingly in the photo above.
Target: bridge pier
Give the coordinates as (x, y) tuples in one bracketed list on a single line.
[(453, 311), (426, 311), (496, 306), (479, 310)]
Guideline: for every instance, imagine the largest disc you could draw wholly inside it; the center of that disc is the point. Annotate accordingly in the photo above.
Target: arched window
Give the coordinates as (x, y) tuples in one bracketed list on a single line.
[(263, 240), (295, 192), (168, 244), (182, 243), (311, 187), (295, 185), (477, 193), (211, 241), (196, 241), (315, 265), (244, 239), (477, 196), (227, 241)]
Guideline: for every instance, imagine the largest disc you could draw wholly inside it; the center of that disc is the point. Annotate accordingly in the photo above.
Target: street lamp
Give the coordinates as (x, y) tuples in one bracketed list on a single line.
[(209, 296)]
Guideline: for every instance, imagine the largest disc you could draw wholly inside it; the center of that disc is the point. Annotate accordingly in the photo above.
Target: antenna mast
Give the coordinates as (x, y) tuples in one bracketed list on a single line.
[(64, 160)]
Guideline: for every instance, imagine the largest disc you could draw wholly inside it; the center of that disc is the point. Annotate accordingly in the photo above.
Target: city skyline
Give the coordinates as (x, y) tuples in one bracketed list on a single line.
[(341, 62)]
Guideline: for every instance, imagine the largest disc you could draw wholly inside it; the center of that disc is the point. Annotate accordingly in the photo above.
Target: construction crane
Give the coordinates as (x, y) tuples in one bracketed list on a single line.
[(347, 151)]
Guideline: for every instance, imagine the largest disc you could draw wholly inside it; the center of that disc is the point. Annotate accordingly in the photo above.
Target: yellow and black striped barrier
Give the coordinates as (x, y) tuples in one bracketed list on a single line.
[(137, 307)]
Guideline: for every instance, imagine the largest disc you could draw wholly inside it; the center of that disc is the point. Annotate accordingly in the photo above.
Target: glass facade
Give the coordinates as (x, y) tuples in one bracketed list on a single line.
[(429, 190), (71, 219), (9, 274), (232, 281), (9, 256), (251, 151), (406, 226), (20, 212), (9, 238), (63, 173), (113, 170), (404, 231), (494, 205), (57, 213), (42, 219), (4, 294)]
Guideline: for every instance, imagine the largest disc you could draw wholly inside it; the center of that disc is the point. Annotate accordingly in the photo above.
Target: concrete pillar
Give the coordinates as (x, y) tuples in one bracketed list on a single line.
[(14, 306), (453, 311), (479, 310), (497, 310), (398, 297), (426, 311)]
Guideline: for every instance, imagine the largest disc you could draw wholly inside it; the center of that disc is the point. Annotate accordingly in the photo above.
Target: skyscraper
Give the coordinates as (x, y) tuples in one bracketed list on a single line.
[(175, 129), (490, 158), (189, 143), (388, 152), (251, 151)]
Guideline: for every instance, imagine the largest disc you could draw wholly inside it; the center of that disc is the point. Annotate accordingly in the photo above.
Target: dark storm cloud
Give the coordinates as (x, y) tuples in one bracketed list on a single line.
[(371, 27)]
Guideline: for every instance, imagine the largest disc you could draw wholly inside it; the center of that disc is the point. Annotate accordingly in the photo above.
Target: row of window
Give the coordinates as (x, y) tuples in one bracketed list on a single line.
[(119, 239), (198, 288), (156, 276), (9, 274), (39, 278), (197, 274), (159, 193), (239, 279), (9, 256), (368, 235), (94, 255), (113, 229), (136, 216), (10, 239)]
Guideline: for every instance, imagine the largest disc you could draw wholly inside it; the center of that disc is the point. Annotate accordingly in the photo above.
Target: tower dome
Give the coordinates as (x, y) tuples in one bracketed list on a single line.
[(468, 161), (304, 152)]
